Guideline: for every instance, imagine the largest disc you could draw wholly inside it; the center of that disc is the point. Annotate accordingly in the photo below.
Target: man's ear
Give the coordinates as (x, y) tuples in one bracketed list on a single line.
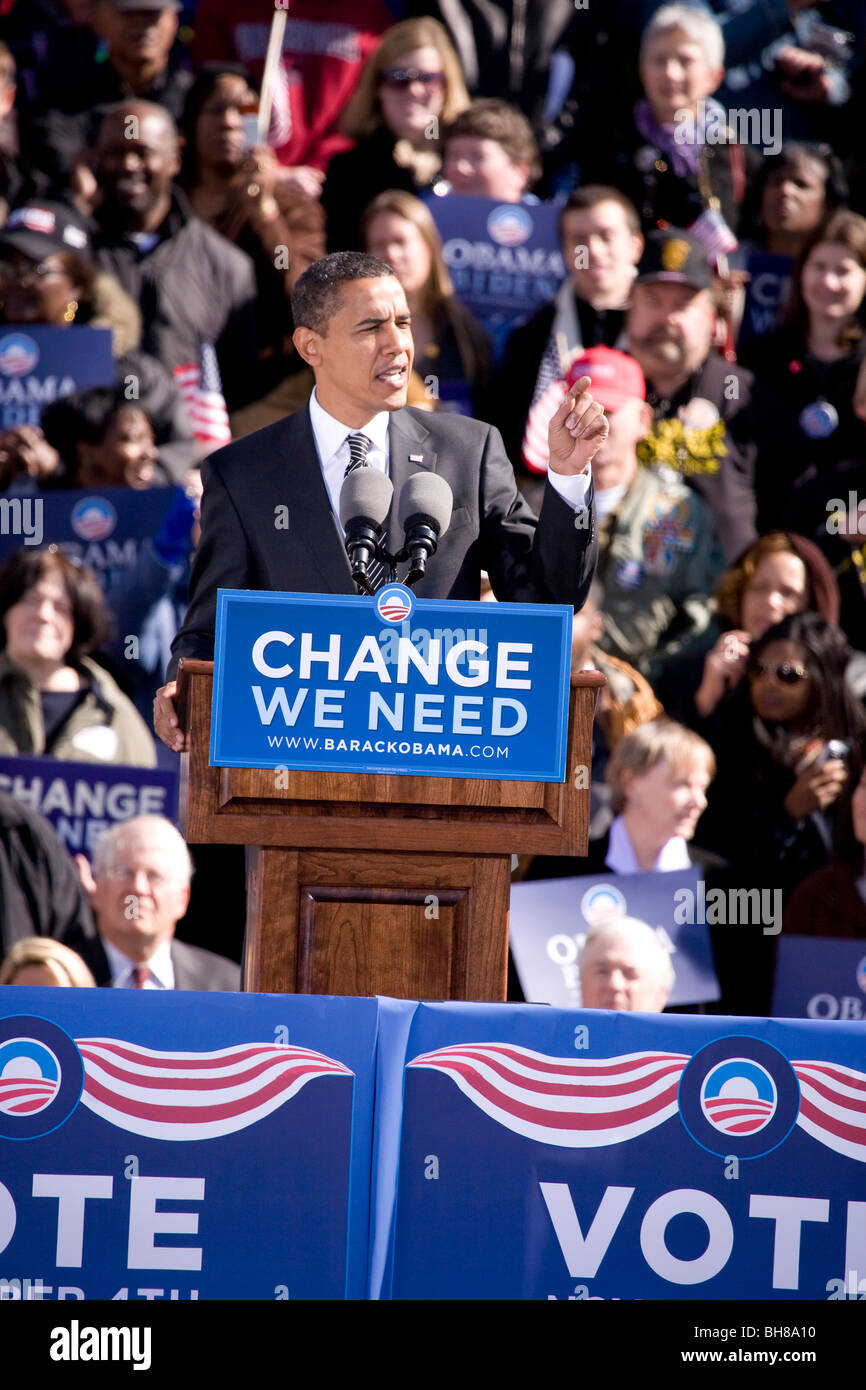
[(306, 342), (177, 158)]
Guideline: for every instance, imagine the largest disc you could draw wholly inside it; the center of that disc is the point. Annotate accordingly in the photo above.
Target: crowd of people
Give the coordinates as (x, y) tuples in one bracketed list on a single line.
[(709, 188)]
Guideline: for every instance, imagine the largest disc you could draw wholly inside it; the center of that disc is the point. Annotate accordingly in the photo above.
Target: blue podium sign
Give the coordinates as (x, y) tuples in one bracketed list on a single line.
[(184, 1146), (391, 684), (569, 1155)]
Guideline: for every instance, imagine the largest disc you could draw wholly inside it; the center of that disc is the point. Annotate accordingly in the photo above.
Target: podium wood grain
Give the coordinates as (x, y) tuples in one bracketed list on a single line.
[(363, 884)]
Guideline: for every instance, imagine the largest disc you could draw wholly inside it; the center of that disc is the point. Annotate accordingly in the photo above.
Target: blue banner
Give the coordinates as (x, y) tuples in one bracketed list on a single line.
[(172, 1147), (104, 530), (82, 800), (504, 258), (819, 977), (549, 920), (766, 294), (39, 364), (391, 684), (553, 1154)]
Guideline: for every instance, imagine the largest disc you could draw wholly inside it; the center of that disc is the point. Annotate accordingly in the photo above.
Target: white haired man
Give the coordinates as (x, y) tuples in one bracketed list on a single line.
[(623, 965), (141, 884)]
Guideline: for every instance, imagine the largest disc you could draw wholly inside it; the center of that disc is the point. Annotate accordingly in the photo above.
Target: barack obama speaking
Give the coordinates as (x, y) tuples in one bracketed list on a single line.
[(353, 328)]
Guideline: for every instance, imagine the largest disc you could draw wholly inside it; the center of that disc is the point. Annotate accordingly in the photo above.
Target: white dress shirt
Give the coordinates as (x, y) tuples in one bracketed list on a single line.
[(160, 965), (621, 858), (331, 438)]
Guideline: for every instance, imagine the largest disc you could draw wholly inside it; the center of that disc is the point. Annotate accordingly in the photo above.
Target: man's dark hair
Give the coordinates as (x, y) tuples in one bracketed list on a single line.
[(91, 617), (588, 197), (318, 292), (488, 118), (85, 417)]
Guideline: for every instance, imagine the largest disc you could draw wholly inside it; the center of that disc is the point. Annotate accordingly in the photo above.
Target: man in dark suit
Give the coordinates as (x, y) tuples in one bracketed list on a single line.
[(141, 873), (271, 501)]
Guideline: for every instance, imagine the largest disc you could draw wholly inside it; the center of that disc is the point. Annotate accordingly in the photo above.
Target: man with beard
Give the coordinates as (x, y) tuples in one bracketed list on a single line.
[(193, 287), (713, 423)]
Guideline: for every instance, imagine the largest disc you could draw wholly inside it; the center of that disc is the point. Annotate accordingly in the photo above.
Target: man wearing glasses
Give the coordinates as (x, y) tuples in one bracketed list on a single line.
[(139, 892)]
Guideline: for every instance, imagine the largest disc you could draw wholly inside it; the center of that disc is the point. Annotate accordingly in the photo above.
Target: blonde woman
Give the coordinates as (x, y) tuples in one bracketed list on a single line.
[(410, 87), (41, 962), (452, 350)]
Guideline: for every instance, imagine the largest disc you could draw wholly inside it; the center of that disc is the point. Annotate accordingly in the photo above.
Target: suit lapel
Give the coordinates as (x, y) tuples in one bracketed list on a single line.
[(312, 524)]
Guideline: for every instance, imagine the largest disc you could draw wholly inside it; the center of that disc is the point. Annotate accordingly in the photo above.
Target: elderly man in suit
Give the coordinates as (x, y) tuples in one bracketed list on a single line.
[(140, 891), (271, 500)]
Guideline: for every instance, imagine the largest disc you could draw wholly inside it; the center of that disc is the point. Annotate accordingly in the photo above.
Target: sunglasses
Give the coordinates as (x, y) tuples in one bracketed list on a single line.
[(395, 78), (786, 673)]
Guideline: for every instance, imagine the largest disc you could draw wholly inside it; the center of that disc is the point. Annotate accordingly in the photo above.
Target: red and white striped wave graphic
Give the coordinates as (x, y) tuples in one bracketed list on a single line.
[(557, 1100), (194, 1095), (733, 1115), (833, 1106), (26, 1095)]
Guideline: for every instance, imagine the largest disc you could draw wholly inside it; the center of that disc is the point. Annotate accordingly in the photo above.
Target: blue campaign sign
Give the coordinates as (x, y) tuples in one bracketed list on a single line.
[(104, 530), (766, 294), (504, 258), (562, 1154), (391, 684), (82, 800), (195, 1146), (550, 918), (819, 977), (39, 364)]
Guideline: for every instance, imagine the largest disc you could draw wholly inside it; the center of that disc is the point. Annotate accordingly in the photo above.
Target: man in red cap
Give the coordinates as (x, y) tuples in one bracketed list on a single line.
[(659, 555)]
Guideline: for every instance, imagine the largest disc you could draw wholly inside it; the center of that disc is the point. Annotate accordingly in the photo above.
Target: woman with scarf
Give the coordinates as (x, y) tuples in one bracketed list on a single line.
[(673, 154)]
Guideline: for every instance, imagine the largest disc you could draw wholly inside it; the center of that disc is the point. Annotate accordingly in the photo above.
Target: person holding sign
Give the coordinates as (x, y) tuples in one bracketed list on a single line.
[(271, 501)]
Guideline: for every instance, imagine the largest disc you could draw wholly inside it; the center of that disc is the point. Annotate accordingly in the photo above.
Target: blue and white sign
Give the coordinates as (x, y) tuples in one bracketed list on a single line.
[(504, 258), (557, 1154), (766, 294), (39, 364), (550, 918), (196, 1146), (105, 530), (819, 977), (83, 800), (391, 684)]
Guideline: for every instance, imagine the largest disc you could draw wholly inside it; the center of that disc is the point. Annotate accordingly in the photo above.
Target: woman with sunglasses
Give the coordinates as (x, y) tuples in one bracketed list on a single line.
[(786, 740), (410, 87)]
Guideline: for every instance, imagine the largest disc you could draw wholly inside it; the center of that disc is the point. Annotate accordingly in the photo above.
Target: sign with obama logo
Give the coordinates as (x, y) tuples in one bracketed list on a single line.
[(392, 684), (182, 1146), (569, 1155)]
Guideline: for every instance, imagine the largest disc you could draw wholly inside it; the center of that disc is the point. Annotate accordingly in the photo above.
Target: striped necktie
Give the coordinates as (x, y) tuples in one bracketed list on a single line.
[(359, 445)]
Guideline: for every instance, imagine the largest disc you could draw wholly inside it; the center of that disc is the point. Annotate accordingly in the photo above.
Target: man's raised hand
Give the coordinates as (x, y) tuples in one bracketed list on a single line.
[(577, 430)]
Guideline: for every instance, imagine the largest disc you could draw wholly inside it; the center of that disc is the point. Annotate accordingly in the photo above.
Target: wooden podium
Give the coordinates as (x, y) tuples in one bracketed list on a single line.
[(367, 884)]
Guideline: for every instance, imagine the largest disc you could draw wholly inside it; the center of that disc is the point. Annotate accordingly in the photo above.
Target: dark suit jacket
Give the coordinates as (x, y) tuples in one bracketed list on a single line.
[(193, 967), (551, 560)]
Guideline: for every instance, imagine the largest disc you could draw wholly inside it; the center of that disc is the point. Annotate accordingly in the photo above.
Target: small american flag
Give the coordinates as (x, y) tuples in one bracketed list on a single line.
[(556, 1100), (833, 1106), (194, 1095), (200, 385), (536, 455)]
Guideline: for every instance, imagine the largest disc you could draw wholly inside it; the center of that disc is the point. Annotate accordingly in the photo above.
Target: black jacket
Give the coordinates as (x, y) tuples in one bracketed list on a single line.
[(354, 178), (194, 287), (40, 891)]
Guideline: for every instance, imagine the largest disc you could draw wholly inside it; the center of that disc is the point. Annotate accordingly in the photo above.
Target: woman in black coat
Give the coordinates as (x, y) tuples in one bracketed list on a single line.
[(410, 85)]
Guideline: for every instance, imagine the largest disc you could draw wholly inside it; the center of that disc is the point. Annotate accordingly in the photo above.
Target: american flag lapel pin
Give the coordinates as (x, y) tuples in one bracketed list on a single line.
[(416, 458)]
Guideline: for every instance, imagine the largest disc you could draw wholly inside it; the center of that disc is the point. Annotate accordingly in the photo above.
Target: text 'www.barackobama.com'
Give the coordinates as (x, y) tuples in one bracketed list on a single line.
[(382, 745)]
